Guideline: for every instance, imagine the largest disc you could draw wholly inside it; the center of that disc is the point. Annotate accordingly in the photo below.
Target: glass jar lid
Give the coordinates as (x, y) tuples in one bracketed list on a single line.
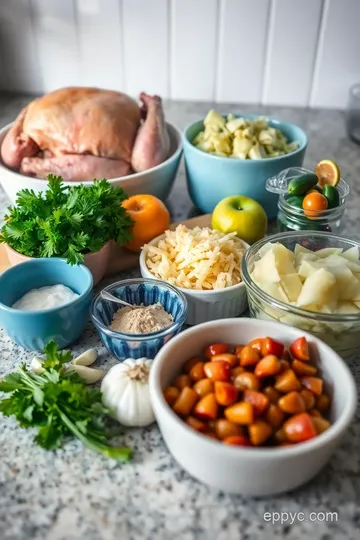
[(279, 183)]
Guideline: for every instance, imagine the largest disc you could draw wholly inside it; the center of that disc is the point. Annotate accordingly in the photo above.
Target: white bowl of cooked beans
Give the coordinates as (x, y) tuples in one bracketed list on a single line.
[(251, 407)]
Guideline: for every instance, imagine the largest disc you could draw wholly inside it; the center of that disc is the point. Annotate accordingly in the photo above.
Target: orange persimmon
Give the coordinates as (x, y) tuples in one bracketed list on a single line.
[(150, 216)]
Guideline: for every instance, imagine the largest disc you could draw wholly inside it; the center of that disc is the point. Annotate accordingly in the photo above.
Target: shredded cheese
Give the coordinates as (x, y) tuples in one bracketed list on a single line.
[(199, 258)]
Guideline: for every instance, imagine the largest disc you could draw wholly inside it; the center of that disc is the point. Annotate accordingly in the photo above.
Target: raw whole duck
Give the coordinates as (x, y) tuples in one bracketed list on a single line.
[(86, 133)]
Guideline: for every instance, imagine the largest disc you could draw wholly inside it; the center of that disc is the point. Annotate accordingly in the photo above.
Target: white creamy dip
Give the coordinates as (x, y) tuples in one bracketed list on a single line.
[(45, 298)]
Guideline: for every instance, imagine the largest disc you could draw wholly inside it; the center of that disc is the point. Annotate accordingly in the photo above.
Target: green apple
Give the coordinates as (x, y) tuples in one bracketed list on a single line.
[(242, 215)]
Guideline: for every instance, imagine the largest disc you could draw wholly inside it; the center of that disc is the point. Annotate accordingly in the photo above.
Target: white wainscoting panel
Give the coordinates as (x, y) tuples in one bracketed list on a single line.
[(145, 46), (242, 43), (100, 43), (338, 61), (291, 51), (276, 52), (193, 49), (56, 34), (18, 54)]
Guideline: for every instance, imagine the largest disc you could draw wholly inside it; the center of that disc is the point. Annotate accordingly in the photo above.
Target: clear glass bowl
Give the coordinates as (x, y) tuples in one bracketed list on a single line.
[(291, 218), (340, 331)]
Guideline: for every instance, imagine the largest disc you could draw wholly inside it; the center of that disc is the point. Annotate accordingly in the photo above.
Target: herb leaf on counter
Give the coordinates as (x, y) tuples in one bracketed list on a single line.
[(59, 404), (66, 222)]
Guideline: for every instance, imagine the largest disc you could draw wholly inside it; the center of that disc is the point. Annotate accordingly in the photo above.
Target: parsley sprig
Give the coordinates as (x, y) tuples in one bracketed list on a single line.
[(66, 222), (59, 404)]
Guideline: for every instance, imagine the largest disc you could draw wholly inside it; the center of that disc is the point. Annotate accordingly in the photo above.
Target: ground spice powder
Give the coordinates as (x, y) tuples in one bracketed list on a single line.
[(141, 320)]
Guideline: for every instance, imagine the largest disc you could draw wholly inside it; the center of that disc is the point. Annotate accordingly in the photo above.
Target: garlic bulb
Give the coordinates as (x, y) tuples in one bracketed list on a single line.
[(125, 391)]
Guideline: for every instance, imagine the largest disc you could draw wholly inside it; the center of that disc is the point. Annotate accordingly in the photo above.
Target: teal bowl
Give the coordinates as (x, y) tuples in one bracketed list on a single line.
[(34, 329), (211, 178)]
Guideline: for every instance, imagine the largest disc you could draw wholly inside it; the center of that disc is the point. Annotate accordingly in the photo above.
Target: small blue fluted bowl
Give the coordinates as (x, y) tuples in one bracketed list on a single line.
[(34, 329), (211, 178), (138, 291)]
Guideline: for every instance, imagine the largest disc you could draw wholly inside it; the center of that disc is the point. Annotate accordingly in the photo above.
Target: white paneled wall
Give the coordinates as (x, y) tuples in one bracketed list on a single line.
[(338, 59), (56, 40), (99, 24), (241, 52), (193, 48), (283, 52), (291, 51)]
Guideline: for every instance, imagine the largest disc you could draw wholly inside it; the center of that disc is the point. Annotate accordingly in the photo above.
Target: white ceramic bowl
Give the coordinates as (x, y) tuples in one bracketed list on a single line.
[(157, 181), (204, 306), (249, 471)]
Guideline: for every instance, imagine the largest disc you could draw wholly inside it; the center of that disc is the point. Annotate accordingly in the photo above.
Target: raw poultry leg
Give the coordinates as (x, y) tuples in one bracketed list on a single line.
[(16, 144), (152, 143), (75, 167)]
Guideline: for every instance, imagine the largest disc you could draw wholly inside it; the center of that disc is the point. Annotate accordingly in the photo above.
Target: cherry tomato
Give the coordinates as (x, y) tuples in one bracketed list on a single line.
[(269, 365), (206, 408), (259, 431), (196, 424), (217, 371), (271, 346), (249, 356), (225, 393), (237, 440), (258, 400), (314, 384), (240, 413), (256, 344), (232, 359), (303, 368), (299, 428), (216, 348), (171, 393), (190, 363), (313, 204), (300, 349)]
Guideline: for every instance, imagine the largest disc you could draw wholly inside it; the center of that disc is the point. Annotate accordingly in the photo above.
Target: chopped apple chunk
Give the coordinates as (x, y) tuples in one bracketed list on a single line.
[(347, 307), (351, 254), (319, 288), (276, 291), (307, 268), (292, 286), (325, 252), (265, 270), (325, 281)]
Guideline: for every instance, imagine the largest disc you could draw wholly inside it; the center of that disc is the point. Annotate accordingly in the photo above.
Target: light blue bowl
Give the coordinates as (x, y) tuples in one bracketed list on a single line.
[(34, 329), (211, 178), (138, 291)]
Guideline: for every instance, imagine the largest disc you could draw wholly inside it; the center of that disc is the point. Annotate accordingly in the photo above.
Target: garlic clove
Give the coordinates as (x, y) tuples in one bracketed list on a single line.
[(86, 358), (36, 365), (88, 375)]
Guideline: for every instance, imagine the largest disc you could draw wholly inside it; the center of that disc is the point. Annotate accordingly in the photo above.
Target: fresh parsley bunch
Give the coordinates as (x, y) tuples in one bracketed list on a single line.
[(66, 221), (58, 404)]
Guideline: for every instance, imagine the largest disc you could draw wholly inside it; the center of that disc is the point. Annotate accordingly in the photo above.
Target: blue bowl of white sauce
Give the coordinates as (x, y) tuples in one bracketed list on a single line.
[(43, 300)]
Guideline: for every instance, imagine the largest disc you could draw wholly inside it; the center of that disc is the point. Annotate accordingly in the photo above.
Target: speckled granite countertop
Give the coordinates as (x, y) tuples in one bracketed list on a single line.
[(74, 494)]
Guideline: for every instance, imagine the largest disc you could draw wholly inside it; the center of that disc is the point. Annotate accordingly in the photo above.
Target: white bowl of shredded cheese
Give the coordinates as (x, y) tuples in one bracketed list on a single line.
[(205, 265)]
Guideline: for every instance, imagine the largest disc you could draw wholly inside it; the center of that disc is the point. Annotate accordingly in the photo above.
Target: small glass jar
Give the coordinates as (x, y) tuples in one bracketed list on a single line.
[(292, 218)]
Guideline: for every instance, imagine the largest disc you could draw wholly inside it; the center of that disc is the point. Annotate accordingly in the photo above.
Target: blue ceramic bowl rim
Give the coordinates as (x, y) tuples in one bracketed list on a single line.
[(140, 337), (275, 122), (47, 260)]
